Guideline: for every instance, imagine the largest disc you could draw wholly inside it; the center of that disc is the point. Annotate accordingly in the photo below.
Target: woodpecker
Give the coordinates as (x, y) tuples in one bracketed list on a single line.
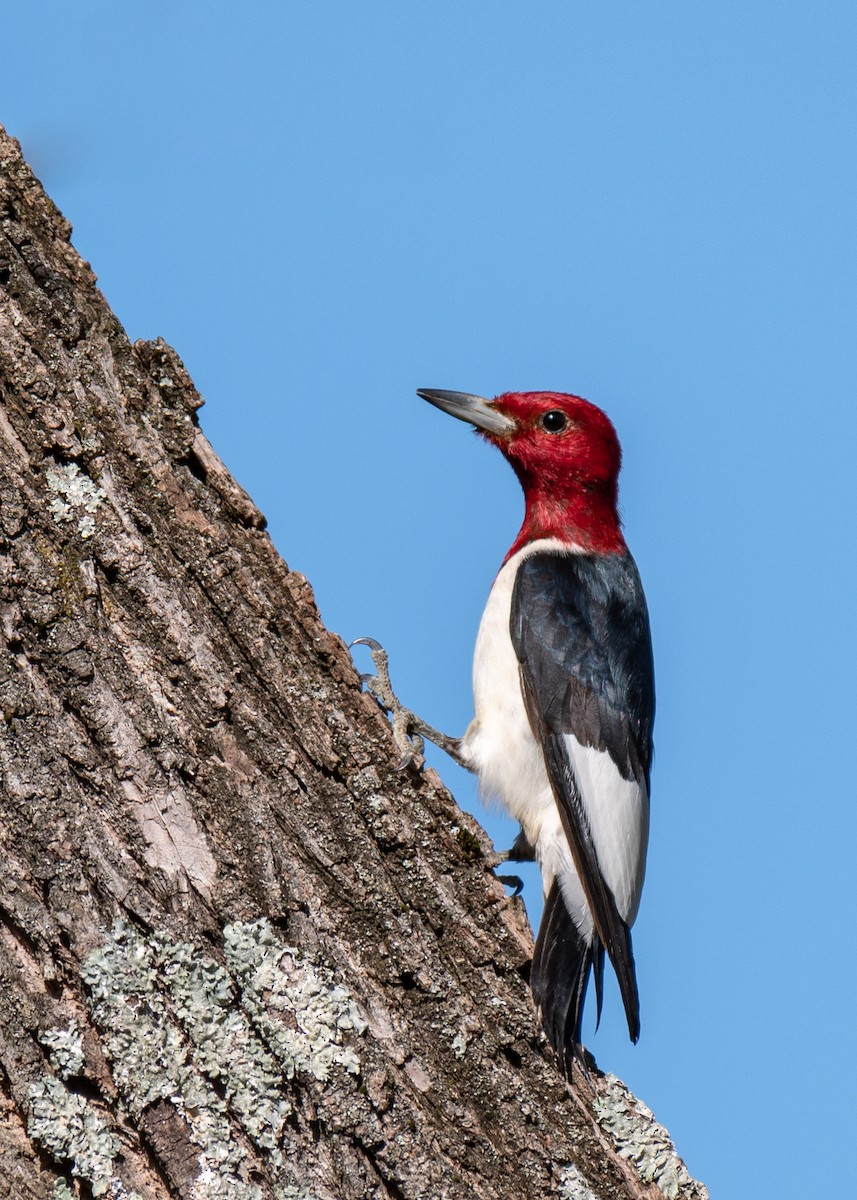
[(564, 697)]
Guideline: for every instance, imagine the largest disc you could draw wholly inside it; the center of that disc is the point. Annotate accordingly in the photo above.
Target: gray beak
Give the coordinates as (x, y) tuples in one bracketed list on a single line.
[(475, 409)]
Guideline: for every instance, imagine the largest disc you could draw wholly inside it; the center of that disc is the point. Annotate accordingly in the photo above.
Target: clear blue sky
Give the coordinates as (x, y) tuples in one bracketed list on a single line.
[(324, 206)]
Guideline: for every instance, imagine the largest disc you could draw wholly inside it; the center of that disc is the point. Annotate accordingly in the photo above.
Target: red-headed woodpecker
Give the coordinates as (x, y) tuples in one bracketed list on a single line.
[(564, 697)]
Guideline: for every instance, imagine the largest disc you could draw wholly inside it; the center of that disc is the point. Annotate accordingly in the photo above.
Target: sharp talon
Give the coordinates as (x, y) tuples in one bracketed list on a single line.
[(511, 881), (366, 641)]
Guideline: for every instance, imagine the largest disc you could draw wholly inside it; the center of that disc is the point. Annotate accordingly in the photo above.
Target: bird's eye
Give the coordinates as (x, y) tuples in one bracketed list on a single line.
[(554, 421)]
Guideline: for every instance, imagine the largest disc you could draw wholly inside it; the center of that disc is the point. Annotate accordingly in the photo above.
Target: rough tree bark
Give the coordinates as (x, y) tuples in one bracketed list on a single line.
[(241, 955)]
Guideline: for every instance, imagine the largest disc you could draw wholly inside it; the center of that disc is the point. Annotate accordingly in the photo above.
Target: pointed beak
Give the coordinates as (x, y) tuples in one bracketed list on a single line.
[(475, 409)]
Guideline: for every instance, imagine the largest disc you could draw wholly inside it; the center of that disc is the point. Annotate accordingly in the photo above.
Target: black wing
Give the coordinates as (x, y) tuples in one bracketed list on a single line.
[(580, 629)]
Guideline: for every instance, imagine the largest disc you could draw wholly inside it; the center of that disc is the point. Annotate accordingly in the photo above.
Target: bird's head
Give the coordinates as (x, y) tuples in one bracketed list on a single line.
[(566, 455)]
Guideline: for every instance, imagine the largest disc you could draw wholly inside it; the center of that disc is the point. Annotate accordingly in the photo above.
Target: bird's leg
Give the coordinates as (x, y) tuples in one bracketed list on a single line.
[(521, 850), (409, 730)]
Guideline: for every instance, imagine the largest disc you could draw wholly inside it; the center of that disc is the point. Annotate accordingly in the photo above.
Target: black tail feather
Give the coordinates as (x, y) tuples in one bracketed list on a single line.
[(628, 987), (562, 961), (560, 972), (598, 974)]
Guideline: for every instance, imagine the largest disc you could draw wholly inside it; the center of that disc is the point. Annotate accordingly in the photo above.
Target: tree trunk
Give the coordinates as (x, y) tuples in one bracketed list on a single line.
[(241, 955)]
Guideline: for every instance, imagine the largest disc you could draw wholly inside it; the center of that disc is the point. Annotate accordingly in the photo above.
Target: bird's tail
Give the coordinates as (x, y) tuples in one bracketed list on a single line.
[(561, 963)]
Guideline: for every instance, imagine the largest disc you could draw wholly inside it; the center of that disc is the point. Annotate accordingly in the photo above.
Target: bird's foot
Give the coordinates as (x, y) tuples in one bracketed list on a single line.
[(521, 850), (409, 730), (515, 882)]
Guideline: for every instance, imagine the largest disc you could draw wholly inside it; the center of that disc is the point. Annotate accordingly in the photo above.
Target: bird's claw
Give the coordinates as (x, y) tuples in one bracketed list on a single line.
[(515, 882), (521, 850), (380, 688)]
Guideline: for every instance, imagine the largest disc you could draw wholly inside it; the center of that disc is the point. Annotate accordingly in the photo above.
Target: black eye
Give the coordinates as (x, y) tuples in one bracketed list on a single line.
[(554, 421)]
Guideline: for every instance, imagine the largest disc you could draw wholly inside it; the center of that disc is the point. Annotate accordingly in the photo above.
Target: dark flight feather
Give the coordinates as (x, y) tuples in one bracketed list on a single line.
[(580, 629)]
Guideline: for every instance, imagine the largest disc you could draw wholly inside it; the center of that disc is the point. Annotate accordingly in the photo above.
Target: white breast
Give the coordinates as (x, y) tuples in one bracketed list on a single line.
[(499, 743)]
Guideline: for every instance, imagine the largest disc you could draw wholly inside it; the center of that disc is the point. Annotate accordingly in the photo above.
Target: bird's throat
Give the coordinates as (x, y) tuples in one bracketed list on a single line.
[(584, 518)]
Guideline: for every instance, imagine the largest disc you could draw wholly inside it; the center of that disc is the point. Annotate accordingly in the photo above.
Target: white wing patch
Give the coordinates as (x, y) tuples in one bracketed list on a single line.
[(617, 811)]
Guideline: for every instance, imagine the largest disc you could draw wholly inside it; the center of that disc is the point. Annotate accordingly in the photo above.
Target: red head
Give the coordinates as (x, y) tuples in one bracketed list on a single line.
[(566, 454)]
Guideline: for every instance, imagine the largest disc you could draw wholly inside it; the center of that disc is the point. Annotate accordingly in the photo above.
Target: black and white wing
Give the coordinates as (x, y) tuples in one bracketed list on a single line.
[(580, 629)]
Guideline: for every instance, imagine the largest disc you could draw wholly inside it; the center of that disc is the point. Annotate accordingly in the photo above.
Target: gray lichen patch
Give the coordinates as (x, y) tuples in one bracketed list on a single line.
[(219, 1043), (65, 1049), (75, 497), (573, 1185), (225, 1045), (638, 1138), (70, 1130), (140, 988), (116, 1191), (278, 979)]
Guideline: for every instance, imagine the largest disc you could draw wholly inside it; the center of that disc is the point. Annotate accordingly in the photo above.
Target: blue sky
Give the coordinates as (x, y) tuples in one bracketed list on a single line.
[(325, 206)]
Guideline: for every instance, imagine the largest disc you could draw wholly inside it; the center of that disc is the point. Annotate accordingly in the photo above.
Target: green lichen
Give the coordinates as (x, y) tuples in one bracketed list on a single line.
[(207, 1004), (470, 845), (638, 1138), (138, 989)]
